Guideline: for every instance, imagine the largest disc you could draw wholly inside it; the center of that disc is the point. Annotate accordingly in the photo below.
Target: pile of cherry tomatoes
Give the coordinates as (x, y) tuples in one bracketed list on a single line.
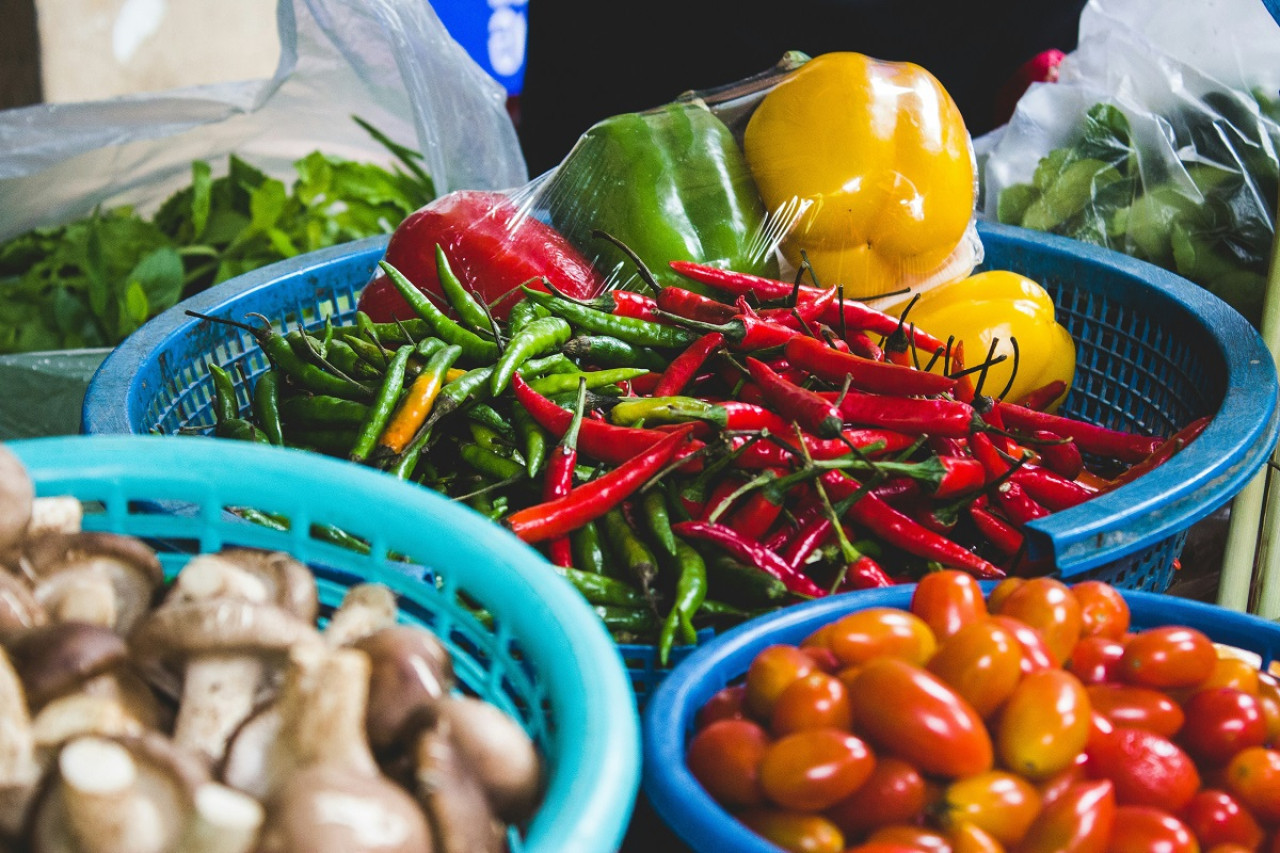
[(1031, 720)]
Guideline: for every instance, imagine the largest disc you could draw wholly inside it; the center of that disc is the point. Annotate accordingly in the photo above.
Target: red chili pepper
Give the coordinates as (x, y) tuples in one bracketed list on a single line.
[(694, 306), (914, 415), (558, 482), (807, 408), (681, 370), (1040, 398), (964, 390), (1097, 440), (864, 573), (811, 533), (903, 532), (718, 502), (592, 499), (1058, 454), (756, 515), (877, 377), (750, 552), (1006, 538), (740, 415), (767, 454), (804, 313), (1164, 451), (1014, 502), (984, 450), (1051, 489), (860, 343)]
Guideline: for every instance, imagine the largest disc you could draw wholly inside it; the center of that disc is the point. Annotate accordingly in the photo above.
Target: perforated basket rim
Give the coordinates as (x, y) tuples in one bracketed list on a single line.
[(686, 807), (592, 785)]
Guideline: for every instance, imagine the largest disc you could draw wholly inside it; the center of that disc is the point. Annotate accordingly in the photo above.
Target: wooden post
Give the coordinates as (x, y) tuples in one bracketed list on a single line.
[(19, 54)]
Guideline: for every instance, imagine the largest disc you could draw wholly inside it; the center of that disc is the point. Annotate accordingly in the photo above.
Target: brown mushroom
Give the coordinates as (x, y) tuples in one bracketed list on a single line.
[(498, 750), (411, 671), (17, 493), (224, 820), (19, 770), (58, 514), (19, 610), (366, 608), (253, 574), (462, 818)]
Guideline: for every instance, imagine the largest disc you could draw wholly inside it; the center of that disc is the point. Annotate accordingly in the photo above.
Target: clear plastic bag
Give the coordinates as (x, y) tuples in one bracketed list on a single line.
[(1159, 139)]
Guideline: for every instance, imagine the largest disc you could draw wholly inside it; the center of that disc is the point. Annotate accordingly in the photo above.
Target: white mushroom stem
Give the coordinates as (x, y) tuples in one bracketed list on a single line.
[(81, 596), (60, 514), (324, 721), (217, 695), (19, 770), (225, 821), (106, 811), (366, 608)]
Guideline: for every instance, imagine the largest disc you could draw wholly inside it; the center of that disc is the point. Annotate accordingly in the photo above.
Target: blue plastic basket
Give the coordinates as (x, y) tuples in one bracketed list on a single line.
[(693, 815), (540, 653), (1154, 351)]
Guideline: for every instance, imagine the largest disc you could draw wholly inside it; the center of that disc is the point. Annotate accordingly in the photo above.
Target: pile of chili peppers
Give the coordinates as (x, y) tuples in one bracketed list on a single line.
[(688, 460)]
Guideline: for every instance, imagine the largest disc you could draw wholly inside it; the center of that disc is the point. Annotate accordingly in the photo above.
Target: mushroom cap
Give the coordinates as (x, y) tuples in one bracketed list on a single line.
[(499, 751), (411, 670), (57, 658), (462, 818), (130, 564), (288, 582), (325, 808), (17, 493), (19, 610)]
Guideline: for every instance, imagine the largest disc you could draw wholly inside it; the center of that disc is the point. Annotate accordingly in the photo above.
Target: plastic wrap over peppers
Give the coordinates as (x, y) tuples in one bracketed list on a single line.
[(1159, 139)]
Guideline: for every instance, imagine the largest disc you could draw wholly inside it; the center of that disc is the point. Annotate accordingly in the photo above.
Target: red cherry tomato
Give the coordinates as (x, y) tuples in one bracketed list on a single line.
[(771, 671), (1078, 821), (814, 701), (1001, 591), (969, 838), (1220, 723), (1147, 769), (725, 704), (814, 769), (917, 838), (1253, 776), (1096, 660), (893, 793), (982, 662), (1139, 707), (1036, 654), (1047, 605), (883, 847), (804, 833), (948, 601), (1001, 803), (1168, 656), (1045, 724), (1216, 817), (910, 712), (1103, 610), (1147, 829), (725, 758), (859, 636)]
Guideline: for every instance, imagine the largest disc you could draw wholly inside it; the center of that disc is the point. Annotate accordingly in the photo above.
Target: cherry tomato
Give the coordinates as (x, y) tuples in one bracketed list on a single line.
[(1045, 724), (724, 704), (795, 831), (1078, 821), (1147, 769), (893, 793), (1221, 722), (1139, 707), (725, 758), (1036, 654), (813, 701), (1103, 610), (1001, 591), (814, 769), (883, 847), (823, 657), (947, 601), (906, 710), (1059, 783), (1096, 660), (982, 662), (1271, 713), (1047, 605), (1253, 776), (771, 671), (916, 838), (969, 838), (818, 639), (859, 636), (1147, 829), (1216, 817), (1231, 671), (1000, 803), (1168, 656)]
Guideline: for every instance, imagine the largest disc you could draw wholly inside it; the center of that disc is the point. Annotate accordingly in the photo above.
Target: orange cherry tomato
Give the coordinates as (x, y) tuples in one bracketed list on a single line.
[(1220, 723), (1078, 821), (982, 662), (1140, 707), (1095, 660), (893, 793), (906, 710), (725, 704), (948, 600), (1271, 713), (918, 838), (1216, 817), (884, 847), (968, 838), (1001, 591), (1059, 783), (1047, 605), (818, 639), (795, 831), (1103, 610), (1147, 829), (1168, 656), (859, 636), (1147, 769), (1045, 724), (814, 701), (1036, 654), (1232, 672), (771, 671), (1253, 776), (814, 769), (823, 657), (725, 758), (1000, 803)]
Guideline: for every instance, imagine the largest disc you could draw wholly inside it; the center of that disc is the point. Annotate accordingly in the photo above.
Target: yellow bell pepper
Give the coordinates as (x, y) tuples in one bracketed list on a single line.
[(874, 161), (999, 305)]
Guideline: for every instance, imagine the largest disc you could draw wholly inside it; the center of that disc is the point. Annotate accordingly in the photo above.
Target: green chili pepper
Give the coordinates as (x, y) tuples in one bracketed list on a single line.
[(225, 406), (489, 439), (474, 347), (538, 338), (344, 358), (266, 406), (240, 429), (464, 304), (657, 520), (633, 330), (666, 410), (377, 414), (632, 621), (691, 591), (307, 411), (669, 183), (490, 463), (390, 334), (606, 351), (598, 589), (533, 440), (370, 353), (743, 584), (522, 314), (636, 558), (333, 441), (308, 375), (562, 383), (483, 413), (588, 549), (377, 350)]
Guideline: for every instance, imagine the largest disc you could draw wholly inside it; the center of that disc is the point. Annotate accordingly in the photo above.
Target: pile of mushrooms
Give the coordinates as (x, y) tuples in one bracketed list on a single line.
[(211, 714)]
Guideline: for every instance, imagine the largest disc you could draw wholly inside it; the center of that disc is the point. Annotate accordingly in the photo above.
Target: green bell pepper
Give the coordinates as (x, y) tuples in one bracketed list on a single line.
[(670, 184)]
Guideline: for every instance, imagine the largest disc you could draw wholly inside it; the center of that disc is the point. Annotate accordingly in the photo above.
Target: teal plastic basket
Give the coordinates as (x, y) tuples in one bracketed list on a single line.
[(521, 637), (685, 807)]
